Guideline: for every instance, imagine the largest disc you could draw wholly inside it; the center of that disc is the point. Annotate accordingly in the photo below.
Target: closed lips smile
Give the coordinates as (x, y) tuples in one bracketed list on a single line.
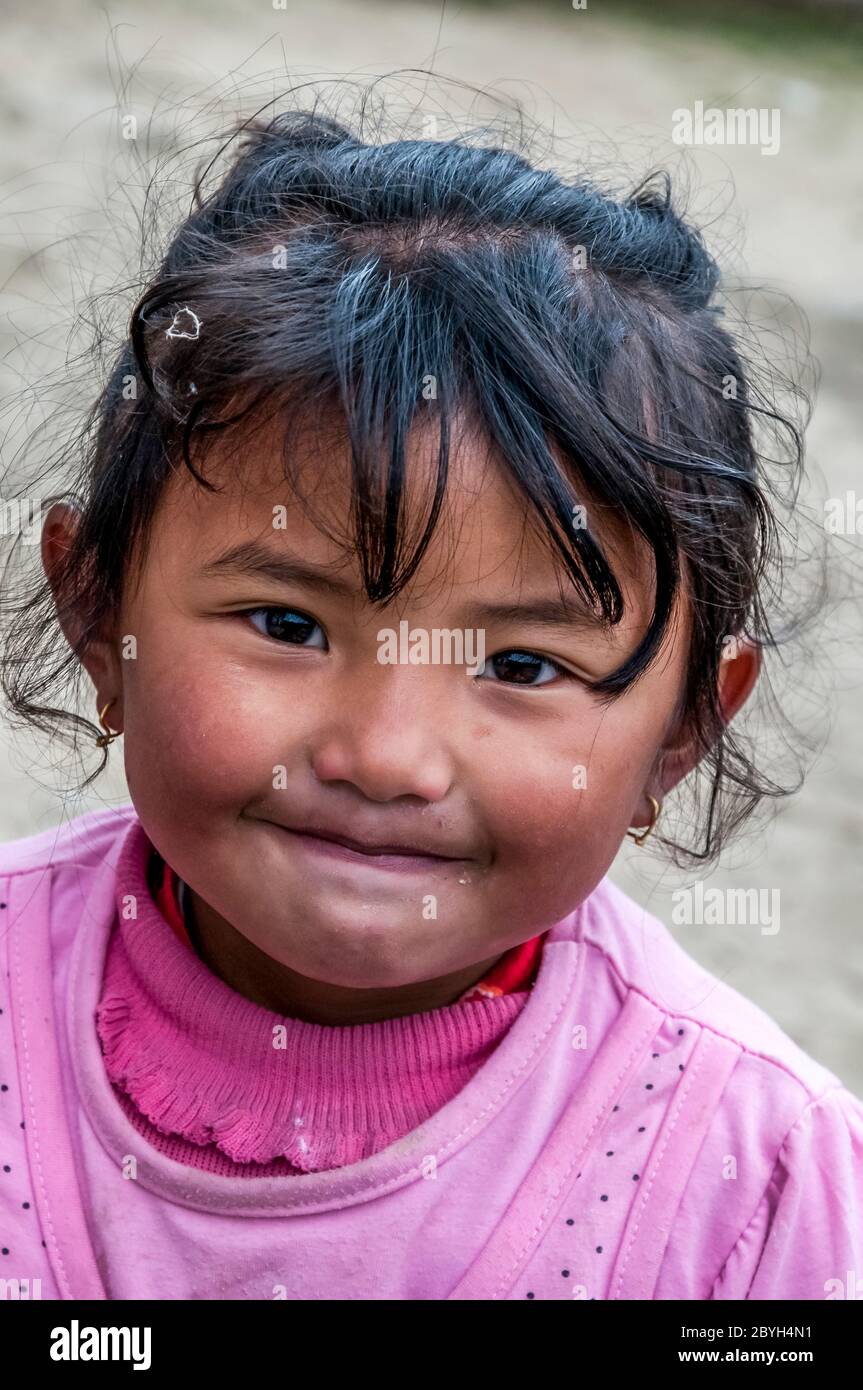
[(372, 850), (384, 856)]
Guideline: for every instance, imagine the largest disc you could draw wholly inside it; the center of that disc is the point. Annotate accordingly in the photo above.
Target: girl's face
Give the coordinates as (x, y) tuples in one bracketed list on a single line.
[(255, 708)]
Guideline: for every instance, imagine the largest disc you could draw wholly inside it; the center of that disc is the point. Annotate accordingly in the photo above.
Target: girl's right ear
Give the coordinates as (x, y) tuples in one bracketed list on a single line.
[(58, 531), (59, 526)]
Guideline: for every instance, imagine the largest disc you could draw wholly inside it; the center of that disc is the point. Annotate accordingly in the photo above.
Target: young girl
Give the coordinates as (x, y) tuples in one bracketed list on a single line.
[(422, 547)]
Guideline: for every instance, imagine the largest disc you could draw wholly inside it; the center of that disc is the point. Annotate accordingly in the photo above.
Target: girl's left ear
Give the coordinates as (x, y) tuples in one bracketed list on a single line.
[(739, 668)]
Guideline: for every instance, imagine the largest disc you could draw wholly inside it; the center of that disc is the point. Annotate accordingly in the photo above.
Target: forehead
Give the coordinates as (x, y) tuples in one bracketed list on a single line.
[(296, 491)]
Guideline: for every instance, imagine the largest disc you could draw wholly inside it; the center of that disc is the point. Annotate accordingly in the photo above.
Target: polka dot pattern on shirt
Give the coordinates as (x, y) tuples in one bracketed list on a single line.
[(576, 1257), (20, 1234)]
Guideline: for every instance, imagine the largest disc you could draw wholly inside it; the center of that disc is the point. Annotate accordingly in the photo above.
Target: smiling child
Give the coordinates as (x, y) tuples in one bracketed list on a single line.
[(342, 1004)]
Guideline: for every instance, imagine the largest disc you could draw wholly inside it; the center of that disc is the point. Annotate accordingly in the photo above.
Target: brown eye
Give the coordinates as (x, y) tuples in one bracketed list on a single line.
[(286, 625), (517, 667)]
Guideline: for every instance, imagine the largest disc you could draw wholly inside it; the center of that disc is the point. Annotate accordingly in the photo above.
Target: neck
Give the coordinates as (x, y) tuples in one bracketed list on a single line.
[(255, 975)]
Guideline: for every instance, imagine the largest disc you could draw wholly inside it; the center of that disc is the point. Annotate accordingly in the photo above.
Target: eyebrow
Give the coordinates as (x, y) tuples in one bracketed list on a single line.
[(253, 558), (541, 612)]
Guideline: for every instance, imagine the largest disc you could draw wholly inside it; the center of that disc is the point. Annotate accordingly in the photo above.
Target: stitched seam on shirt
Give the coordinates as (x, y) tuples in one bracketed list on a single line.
[(834, 1081), (70, 850), (763, 1195), (648, 1031), (69, 859), (644, 1195), (49, 1224)]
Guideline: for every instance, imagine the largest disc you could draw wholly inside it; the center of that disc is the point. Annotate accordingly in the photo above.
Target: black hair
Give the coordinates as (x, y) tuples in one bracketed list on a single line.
[(581, 330)]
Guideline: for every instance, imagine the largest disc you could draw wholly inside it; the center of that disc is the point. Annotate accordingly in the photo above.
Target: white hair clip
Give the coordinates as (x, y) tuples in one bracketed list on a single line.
[(188, 319)]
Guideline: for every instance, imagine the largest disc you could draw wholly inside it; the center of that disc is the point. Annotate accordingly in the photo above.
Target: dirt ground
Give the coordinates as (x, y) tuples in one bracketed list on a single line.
[(609, 89)]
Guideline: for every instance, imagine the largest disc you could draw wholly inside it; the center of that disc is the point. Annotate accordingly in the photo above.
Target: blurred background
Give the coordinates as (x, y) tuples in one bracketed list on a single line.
[(599, 83)]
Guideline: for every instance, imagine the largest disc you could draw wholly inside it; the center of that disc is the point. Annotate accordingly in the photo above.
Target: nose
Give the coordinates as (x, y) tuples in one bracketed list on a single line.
[(386, 736)]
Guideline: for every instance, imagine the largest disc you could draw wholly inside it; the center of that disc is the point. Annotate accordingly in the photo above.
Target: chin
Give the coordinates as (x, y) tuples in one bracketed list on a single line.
[(350, 957)]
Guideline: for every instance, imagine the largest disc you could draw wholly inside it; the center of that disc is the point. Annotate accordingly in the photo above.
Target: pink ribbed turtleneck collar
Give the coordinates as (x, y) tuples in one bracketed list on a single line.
[(199, 1061)]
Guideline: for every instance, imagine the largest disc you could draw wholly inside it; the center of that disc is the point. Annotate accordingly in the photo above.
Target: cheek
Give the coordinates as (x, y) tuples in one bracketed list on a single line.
[(560, 813), (197, 733), (579, 782), (561, 820)]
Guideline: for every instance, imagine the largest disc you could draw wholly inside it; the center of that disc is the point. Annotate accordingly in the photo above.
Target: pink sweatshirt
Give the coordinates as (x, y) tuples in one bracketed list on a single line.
[(639, 1131)]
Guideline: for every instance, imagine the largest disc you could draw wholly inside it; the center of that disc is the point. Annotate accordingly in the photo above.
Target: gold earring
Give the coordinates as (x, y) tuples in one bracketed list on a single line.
[(640, 836), (110, 734)]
